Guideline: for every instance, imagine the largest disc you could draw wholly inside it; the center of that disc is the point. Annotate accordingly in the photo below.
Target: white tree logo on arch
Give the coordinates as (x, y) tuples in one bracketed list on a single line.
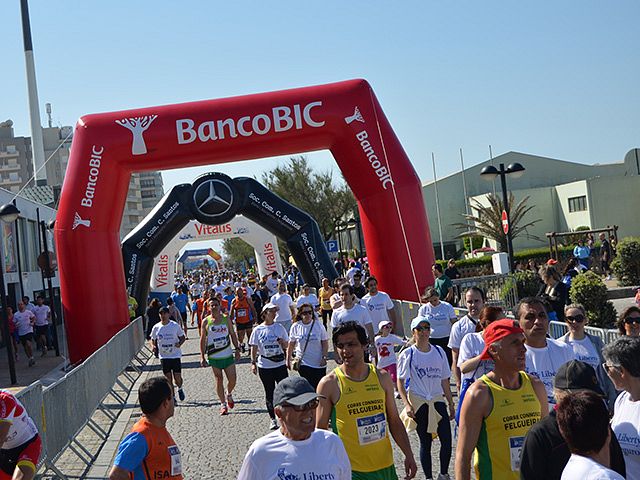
[(263, 242)]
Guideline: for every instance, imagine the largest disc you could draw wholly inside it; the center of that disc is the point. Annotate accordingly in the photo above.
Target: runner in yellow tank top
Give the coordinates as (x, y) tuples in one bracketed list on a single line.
[(499, 408), (360, 403)]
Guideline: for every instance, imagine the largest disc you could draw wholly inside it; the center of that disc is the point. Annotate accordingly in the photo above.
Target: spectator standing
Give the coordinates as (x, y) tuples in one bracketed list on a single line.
[(583, 421), (587, 348), (629, 322), (149, 451), (502, 405), (544, 356), (474, 300), (622, 359), (605, 256), (426, 370), (298, 449), (545, 453), (442, 284), (153, 315), (444, 316), (553, 291), (452, 271), (582, 253)]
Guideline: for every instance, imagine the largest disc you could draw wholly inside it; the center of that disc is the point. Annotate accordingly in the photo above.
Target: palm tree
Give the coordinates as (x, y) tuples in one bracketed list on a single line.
[(486, 220)]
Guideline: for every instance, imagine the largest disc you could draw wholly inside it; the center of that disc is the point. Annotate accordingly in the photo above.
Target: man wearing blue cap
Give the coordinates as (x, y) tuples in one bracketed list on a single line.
[(297, 449)]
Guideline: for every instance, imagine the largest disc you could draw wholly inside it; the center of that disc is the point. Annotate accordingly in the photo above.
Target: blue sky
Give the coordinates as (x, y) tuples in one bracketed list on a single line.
[(557, 79)]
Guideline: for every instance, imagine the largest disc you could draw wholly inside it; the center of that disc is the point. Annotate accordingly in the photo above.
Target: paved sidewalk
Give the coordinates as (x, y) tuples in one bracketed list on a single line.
[(212, 446)]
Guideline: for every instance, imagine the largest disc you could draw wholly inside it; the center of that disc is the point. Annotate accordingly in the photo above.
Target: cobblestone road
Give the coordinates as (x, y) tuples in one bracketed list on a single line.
[(212, 446)]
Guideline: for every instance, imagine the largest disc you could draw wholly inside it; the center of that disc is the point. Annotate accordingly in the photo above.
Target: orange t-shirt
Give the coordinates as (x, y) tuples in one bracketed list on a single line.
[(241, 308), (163, 457)]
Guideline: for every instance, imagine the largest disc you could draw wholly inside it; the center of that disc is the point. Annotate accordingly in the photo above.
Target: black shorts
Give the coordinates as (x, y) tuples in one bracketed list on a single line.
[(26, 338), (184, 316), (244, 326), (171, 365), (42, 330)]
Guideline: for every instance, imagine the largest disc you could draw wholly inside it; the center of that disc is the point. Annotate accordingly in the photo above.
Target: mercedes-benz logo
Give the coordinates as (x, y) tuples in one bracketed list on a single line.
[(213, 198)]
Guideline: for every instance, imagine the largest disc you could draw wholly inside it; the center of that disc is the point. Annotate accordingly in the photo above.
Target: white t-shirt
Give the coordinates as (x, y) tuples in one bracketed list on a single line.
[(272, 285), (350, 273), (196, 289), (543, 363), (219, 288), (275, 457), (472, 346), (378, 306), (284, 301), (443, 314), (459, 329), (313, 354), (266, 337), (584, 468), (426, 370), (41, 312), (357, 314), (386, 353), (167, 336), (23, 321), (311, 299), (585, 351), (626, 426)]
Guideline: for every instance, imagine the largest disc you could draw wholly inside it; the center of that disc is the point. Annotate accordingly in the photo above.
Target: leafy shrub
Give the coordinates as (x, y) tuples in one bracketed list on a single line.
[(626, 265), (526, 282), (589, 290)]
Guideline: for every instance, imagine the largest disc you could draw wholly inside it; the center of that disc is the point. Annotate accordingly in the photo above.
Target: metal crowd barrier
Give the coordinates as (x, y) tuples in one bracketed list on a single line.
[(493, 286), (64, 408), (607, 335)]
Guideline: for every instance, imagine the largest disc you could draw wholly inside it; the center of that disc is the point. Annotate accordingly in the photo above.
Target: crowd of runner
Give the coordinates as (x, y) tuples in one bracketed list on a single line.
[(527, 406)]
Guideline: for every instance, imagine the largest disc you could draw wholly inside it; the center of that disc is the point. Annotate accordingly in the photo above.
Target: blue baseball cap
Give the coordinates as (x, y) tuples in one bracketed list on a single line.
[(421, 319)]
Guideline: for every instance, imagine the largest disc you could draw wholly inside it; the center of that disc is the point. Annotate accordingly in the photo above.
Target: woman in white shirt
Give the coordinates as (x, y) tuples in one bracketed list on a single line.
[(444, 316), (622, 363), (310, 341), (426, 370), (587, 347)]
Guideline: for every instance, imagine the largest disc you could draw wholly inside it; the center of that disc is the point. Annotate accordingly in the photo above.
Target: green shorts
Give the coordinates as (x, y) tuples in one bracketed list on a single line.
[(221, 363), (388, 473)]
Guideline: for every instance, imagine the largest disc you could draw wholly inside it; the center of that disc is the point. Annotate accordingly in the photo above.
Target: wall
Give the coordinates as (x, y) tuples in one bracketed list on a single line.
[(616, 201)]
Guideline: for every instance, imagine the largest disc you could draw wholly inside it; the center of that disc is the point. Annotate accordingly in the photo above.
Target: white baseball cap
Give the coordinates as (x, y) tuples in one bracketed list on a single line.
[(269, 306), (384, 323)]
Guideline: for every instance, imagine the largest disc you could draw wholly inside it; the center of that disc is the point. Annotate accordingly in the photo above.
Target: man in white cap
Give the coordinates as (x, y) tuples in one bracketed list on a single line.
[(297, 449)]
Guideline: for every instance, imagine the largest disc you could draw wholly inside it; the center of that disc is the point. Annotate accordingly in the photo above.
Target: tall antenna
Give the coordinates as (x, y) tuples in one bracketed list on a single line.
[(37, 145), (47, 106)]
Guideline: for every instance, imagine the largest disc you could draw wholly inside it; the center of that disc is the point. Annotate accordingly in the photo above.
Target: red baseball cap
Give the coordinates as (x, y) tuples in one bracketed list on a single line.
[(552, 261), (496, 331)]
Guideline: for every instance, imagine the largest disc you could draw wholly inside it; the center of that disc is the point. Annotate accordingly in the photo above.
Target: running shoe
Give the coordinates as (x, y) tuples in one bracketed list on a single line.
[(181, 395), (444, 476), (242, 348), (230, 401), (224, 410), (274, 424)]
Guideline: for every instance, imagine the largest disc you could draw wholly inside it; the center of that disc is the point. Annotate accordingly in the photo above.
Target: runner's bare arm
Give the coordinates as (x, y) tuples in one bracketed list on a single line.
[(470, 365), (475, 408), (5, 426), (396, 427), (203, 343), (118, 473), (328, 387), (541, 393)]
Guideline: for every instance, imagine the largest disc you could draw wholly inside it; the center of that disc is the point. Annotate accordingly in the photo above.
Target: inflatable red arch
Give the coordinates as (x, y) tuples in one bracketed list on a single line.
[(343, 117)]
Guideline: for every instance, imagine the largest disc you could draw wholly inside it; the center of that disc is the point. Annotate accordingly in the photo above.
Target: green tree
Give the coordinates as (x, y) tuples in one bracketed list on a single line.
[(237, 251), (486, 220)]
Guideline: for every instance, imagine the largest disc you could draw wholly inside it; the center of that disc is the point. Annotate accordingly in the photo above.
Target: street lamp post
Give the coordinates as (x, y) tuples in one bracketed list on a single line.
[(8, 213), (489, 173)]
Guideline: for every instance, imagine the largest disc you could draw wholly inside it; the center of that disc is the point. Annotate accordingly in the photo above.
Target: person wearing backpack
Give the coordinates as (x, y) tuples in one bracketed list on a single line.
[(423, 384)]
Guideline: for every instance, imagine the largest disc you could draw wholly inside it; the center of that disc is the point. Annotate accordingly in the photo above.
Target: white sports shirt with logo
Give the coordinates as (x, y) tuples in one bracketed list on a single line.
[(22, 428), (378, 306), (276, 457), (167, 336)]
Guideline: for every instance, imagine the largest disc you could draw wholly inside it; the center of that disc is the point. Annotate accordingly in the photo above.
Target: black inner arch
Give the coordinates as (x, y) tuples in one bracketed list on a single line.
[(214, 199)]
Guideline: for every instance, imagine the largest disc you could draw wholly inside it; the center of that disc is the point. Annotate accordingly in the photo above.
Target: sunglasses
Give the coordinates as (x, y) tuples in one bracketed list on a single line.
[(312, 405), (630, 320), (576, 318), (420, 328)]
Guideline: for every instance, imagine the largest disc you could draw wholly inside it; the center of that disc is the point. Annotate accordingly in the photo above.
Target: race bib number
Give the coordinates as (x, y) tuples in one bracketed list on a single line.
[(242, 312), (326, 301), (166, 348), (271, 350), (176, 460), (371, 429), (515, 449), (221, 342)]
